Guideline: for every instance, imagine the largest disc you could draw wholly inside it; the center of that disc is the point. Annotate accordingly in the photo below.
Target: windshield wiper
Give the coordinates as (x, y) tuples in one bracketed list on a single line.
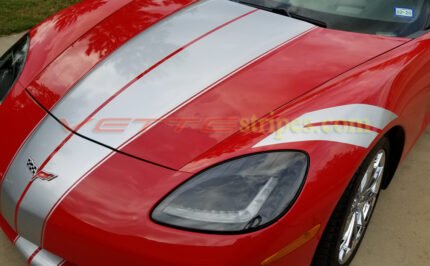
[(286, 12)]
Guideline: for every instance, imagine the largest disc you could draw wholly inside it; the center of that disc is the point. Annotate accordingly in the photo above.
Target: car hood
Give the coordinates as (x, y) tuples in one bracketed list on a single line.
[(178, 83)]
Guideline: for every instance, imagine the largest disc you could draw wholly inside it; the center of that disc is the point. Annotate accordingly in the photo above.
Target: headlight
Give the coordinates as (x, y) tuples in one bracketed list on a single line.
[(237, 196), (11, 65)]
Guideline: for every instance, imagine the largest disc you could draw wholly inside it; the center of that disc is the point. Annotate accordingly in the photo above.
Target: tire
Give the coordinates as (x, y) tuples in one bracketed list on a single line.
[(329, 251)]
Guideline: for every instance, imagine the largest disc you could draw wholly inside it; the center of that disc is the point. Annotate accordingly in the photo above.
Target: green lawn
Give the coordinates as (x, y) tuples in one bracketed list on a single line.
[(20, 15)]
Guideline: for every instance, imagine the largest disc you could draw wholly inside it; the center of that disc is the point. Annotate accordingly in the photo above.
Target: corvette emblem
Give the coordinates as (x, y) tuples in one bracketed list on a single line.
[(32, 167)]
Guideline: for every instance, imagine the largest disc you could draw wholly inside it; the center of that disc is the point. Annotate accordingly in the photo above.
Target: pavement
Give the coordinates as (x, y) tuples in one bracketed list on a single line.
[(8, 41), (398, 234)]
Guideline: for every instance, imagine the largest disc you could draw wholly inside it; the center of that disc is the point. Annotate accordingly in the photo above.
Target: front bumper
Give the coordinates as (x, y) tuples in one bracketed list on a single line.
[(105, 218), (191, 254)]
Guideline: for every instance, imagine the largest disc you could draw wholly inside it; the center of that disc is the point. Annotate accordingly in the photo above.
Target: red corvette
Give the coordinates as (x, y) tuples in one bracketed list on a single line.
[(183, 132)]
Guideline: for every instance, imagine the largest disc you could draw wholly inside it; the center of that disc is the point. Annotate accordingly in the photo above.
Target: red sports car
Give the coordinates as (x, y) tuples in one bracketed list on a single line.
[(216, 132)]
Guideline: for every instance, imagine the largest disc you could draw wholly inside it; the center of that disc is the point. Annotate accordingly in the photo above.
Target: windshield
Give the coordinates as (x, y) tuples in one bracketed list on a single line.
[(400, 18)]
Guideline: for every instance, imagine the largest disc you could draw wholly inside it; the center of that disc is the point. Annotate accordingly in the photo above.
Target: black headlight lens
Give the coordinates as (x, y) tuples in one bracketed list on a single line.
[(11, 65), (237, 196)]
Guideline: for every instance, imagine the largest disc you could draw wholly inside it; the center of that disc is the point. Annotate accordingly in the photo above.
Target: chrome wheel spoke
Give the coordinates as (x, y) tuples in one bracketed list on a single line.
[(365, 211), (347, 240), (360, 219), (365, 180), (369, 195)]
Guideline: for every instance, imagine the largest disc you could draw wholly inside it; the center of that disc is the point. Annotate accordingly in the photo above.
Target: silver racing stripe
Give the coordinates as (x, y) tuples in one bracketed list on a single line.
[(41, 144), (72, 162), (25, 247), (38, 257), (105, 80), (184, 74), (45, 258), (141, 53), (195, 69), (353, 114)]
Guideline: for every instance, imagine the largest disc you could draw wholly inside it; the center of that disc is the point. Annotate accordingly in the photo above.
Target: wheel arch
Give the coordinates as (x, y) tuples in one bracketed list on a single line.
[(397, 139)]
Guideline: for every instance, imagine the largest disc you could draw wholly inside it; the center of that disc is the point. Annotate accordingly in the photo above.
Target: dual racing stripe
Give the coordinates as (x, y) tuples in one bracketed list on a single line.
[(355, 124), (35, 255), (155, 73)]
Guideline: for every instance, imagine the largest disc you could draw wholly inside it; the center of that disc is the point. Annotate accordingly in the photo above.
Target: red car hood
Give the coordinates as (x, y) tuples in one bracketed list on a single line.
[(167, 90)]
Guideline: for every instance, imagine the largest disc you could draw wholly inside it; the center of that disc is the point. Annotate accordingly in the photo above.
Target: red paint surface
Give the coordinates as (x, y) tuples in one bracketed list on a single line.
[(106, 218), (274, 80), (78, 59)]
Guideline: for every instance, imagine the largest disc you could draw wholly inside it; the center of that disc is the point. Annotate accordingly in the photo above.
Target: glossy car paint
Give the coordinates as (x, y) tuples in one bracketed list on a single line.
[(103, 215), (21, 194)]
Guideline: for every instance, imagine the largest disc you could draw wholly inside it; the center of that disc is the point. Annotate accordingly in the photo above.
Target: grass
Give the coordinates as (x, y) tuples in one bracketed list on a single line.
[(20, 15)]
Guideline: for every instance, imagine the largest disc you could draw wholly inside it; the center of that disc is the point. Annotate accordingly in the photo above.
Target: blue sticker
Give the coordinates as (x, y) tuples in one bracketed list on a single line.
[(404, 12)]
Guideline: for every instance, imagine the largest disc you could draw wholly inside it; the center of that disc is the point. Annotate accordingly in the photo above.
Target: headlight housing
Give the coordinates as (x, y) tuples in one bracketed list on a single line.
[(237, 196), (11, 65)]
